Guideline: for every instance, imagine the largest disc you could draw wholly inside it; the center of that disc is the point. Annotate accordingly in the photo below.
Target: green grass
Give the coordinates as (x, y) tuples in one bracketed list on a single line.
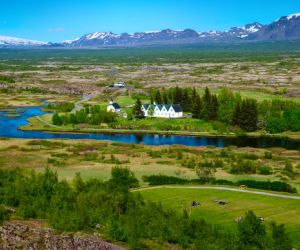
[(257, 95), (185, 124), (285, 211)]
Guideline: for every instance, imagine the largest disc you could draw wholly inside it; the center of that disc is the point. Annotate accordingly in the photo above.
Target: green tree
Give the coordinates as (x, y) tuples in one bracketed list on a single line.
[(206, 101), (213, 107), (158, 98), (251, 231), (196, 110), (281, 240), (137, 109), (226, 106), (56, 119)]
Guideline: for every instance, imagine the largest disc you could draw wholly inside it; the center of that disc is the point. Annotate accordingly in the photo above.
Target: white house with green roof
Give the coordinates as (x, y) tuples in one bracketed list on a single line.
[(162, 110)]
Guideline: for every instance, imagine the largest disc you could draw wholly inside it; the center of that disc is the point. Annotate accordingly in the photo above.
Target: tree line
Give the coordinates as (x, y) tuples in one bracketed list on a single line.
[(92, 115), (111, 209), (274, 116)]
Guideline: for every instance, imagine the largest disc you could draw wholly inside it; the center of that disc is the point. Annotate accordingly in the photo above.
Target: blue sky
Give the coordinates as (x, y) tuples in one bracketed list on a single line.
[(57, 20)]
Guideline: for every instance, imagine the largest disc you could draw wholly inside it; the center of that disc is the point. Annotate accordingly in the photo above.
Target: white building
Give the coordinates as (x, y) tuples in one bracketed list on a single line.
[(162, 110), (113, 107), (119, 84)]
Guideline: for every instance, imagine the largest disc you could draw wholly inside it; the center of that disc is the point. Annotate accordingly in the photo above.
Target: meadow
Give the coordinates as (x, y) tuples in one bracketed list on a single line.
[(271, 209)]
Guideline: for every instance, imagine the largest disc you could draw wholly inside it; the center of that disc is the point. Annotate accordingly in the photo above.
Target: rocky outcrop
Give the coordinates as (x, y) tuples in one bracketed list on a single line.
[(31, 235)]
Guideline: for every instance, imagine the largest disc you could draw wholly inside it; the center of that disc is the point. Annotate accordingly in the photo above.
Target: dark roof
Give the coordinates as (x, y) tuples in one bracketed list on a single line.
[(116, 105), (177, 108)]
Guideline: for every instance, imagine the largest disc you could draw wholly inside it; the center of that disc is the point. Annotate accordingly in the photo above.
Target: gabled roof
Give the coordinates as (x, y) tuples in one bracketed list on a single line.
[(177, 108), (115, 105)]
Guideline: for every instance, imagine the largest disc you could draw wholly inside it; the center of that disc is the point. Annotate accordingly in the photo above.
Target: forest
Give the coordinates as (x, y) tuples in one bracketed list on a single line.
[(122, 216)]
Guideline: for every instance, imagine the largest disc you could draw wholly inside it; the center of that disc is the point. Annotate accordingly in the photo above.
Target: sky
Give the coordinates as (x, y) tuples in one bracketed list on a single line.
[(58, 20)]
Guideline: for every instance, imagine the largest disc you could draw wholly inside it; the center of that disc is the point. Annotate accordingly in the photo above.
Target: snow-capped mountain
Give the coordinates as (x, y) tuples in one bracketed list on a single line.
[(166, 36), (14, 41), (111, 39), (287, 27)]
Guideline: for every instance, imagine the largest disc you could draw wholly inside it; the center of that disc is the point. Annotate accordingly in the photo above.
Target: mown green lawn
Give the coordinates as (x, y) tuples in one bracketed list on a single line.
[(162, 124), (286, 211)]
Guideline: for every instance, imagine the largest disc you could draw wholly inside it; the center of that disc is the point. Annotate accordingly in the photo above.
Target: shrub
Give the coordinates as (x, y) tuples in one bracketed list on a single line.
[(268, 185), (155, 180), (265, 170), (243, 167)]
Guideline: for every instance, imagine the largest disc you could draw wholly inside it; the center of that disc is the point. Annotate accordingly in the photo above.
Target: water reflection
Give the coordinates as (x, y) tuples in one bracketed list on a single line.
[(9, 129)]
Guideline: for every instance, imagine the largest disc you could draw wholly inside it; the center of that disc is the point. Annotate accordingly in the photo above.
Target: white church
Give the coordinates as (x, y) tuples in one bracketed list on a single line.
[(162, 110)]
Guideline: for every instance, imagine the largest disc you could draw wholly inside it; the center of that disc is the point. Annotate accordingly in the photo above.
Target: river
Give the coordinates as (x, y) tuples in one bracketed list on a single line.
[(9, 129)]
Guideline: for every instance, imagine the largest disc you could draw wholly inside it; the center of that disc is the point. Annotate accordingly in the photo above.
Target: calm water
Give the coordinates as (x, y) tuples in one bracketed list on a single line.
[(9, 129)]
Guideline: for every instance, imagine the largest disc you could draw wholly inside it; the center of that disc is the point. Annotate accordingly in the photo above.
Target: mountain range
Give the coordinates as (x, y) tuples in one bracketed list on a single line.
[(284, 28)]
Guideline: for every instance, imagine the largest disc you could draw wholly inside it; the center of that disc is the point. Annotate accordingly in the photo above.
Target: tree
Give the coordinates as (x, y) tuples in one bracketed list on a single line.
[(251, 231), (237, 115), (158, 98), (226, 107), (280, 238), (206, 105), (177, 95), (137, 110), (123, 177), (246, 115), (196, 110), (213, 107), (275, 125), (56, 119)]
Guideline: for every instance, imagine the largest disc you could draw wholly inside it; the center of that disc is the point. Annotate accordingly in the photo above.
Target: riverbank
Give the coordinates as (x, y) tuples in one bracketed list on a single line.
[(43, 123)]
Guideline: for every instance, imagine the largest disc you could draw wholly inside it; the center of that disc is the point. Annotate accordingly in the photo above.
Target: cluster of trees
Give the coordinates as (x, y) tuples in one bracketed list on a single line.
[(225, 107), (92, 115), (288, 119), (111, 209), (275, 116)]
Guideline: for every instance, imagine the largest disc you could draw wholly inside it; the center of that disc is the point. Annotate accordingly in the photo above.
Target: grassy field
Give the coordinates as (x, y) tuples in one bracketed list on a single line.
[(272, 209), (96, 158)]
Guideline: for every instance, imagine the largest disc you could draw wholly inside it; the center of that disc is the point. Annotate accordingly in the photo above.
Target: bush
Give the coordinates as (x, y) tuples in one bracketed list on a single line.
[(243, 167), (155, 180), (268, 185), (265, 170)]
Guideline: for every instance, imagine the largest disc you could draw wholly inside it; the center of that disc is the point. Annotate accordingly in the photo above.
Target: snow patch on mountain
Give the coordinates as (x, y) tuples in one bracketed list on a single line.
[(71, 41), (289, 17), (14, 41)]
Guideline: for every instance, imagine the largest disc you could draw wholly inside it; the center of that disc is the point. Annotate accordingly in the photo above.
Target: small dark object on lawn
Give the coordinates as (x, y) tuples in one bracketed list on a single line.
[(195, 204), (220, 202)]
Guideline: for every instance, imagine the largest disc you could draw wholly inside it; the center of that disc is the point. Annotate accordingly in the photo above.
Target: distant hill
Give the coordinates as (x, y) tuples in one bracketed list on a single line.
[(284, 28), (6, 41)]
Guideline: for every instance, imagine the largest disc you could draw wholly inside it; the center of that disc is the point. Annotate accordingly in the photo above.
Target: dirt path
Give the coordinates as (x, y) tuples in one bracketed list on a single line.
[(46, 123), (294, 197), (78, 105)]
